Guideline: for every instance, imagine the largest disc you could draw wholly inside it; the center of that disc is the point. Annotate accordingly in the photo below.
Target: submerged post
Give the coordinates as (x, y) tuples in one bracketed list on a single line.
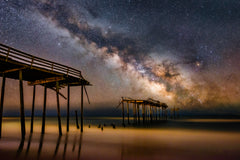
[(138, 113), (122, 112), (150, 113), (44, 109), (135, 112), (156, 112), (2, 99), (76, 119), (23, 129), (82, 108), (143, 112), (33, 105), (128, 112), (68, 103), (58, 109)]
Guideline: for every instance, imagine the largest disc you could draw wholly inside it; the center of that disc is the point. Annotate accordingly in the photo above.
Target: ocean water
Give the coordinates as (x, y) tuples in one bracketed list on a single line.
[(172, 139)]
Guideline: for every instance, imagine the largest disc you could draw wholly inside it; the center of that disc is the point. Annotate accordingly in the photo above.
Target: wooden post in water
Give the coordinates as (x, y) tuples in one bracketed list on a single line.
[(138, 113), (151, 113), (23, 129), (123, 112), (76, 119), (156, 112), (82, 108), (33, 106), (44, 109), (58, 109), (68, 104), (2, 100), (135, 112), (143, 112), (159, 113), (128, 112)]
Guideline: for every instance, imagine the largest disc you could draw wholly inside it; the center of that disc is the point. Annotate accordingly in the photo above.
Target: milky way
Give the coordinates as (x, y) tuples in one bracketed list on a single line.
[(184, 53)]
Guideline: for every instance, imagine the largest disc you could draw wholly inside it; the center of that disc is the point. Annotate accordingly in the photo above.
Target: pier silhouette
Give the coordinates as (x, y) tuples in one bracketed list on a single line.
[(18, 65)]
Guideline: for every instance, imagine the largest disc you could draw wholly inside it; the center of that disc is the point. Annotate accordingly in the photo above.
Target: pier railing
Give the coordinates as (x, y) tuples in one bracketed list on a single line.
[(33, 61)]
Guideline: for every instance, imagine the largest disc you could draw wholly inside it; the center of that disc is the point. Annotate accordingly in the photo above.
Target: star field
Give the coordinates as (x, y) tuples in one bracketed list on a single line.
[(180, 52)]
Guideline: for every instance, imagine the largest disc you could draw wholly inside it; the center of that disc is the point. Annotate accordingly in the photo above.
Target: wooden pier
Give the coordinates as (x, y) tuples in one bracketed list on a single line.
[(150, 110), (15, 64)]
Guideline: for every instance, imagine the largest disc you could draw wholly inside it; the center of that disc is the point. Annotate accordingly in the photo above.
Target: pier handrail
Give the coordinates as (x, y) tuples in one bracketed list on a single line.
[(34, 61)]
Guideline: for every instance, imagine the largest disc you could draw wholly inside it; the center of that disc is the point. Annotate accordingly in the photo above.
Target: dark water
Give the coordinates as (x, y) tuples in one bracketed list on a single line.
[(172, 139)]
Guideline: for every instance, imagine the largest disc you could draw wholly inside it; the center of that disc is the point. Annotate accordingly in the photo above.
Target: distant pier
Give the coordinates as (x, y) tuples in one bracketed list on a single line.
[(15, 64), (150, 109)]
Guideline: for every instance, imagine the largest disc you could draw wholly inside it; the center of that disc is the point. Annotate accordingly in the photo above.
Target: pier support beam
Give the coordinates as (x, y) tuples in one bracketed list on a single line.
[(76, 119), (159, 113), (33, 106), (81, 108), (23, 129), (151, 113), (138, 113), (135, 112), (156, 112), (123, 113), (128, 112), (58, 109), (44, 110), (1, 105), (143, 112), (68, 104)]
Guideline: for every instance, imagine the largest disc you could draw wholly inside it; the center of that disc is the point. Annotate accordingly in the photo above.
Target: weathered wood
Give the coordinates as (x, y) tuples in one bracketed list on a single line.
[(12, 70), (33, 106), (46, 80), (156, 112), (76, 119), (150, 113), (2, 100), (58, 109), (82, 108), (68, 104), (44, 109), (143, 112), (123, 113), (138, 113), (23, 129), (135, 112), (128, 112)]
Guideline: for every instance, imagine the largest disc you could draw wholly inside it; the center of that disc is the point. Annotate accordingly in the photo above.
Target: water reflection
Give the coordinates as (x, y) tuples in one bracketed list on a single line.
[(20, 148), (80, 146), (40, 146), (47, 146)]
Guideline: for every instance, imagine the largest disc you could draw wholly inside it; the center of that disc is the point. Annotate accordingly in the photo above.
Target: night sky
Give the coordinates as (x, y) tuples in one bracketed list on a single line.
[(185, 53)]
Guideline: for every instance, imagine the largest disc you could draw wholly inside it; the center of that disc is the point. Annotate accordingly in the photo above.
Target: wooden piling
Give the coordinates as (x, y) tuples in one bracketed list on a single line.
[(143, 112), (76, 119), (159, 113), (58, 109), (123, 113), (68, 104), (33, 106), (2, 100), (138, 113), (150, 113), (135, 112), (76, 115), (156, 112), (81, 108), (44, 109), (23, 129), (128, 112)]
